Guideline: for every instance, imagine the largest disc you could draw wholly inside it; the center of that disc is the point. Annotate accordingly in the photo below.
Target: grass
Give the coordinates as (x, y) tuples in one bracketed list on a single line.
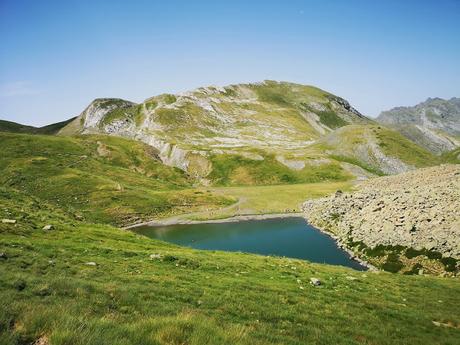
[(270, 199), (13, 127), (451, 156), (132, 113), (352, 144), (99, 178), (238, 170), (330, 119), (327, 117), (288, 94), (187, 296), (358, 163), (396, 145)]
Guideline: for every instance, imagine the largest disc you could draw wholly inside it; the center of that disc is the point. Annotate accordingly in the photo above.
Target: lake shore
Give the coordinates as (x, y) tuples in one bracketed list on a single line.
[(238, 218)]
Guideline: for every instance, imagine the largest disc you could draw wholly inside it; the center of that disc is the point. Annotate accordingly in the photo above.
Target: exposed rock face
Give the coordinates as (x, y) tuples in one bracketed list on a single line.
[(98, 109), (418, 209), (433, 124)]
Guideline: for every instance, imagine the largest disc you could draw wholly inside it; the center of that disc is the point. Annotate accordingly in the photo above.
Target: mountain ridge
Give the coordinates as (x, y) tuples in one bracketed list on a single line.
[(433, 124)]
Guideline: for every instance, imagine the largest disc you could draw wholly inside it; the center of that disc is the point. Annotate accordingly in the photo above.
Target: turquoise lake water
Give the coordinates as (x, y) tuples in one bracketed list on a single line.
[(289, 237)]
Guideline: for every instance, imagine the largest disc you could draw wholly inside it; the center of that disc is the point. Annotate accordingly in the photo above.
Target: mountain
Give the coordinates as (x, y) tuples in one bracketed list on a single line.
[(13, 127), (433, 124), (262, 133)]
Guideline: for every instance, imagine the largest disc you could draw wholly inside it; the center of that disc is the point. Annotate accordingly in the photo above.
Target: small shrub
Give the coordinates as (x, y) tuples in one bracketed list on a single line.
[(170, 258), (19, 284), (450, 264), (412, 253), (392, 263), (414, 269), (335, 216)]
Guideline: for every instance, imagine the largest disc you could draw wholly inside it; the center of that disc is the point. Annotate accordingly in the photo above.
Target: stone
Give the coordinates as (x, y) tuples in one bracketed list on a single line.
[(155, 256), (91, 263), (315, 281), (48, 227), (8, 221)]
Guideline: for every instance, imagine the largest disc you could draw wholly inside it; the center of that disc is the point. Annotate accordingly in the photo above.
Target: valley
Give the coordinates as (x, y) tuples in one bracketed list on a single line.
[(70, 193)]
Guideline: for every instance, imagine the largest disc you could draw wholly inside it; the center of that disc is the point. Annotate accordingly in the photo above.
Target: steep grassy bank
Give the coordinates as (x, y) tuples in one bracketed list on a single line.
[(81, 283)]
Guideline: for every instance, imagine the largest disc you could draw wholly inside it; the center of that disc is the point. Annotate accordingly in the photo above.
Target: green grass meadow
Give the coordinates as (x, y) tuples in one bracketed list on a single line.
[(50, 292)]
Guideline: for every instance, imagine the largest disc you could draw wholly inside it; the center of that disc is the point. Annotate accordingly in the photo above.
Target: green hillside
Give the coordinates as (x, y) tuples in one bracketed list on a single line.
[(82, 283), (99, 178), (13, 127)]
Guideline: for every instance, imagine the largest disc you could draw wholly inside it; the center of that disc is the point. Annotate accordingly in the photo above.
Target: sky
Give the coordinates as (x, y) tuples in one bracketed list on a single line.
[(57, 56)]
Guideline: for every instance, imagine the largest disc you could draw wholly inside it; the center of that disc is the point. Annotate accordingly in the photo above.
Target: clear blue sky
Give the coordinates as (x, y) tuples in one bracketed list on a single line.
[(57, 56)]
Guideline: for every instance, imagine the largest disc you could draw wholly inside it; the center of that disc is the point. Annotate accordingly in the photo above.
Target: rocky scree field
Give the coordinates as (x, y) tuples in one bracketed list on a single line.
[(408, 223)]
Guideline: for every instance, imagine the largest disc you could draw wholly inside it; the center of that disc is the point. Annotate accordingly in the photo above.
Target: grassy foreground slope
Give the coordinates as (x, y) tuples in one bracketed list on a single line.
[(99, 178), (82, 283)]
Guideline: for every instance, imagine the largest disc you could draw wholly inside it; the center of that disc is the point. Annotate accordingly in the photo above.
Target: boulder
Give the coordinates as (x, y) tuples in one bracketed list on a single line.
[(315, 281)]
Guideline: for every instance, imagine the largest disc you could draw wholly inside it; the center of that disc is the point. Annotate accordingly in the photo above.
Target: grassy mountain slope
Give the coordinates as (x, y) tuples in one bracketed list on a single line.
[(51, 295), (13, 127), (100, 178), (452, 156)]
